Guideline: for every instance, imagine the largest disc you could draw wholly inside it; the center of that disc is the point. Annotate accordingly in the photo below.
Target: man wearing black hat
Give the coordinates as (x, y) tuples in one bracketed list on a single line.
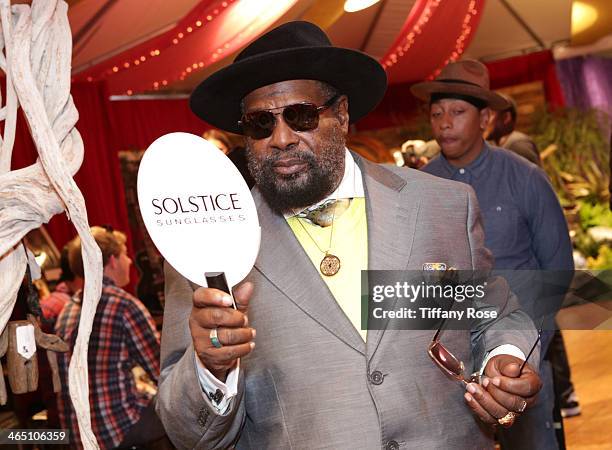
[(524, 225), (316, 379)]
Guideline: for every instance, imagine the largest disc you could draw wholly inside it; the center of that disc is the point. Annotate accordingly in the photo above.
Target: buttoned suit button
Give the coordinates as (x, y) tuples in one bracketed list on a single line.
[(392, 445), (376, 377)]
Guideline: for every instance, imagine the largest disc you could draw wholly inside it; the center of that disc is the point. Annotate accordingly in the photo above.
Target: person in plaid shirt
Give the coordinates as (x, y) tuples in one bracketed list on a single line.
[(123, 336)]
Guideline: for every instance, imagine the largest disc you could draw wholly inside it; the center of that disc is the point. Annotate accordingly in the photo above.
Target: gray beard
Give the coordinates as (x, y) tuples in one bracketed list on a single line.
[(297, 191)]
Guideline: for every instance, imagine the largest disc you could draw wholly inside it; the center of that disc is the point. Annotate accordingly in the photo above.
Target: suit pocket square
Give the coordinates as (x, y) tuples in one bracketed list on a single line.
[(434, 266)]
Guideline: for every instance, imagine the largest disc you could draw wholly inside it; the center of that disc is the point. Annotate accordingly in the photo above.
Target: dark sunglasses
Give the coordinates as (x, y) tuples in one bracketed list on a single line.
[(300, 117), (447, 362), (453, 367)]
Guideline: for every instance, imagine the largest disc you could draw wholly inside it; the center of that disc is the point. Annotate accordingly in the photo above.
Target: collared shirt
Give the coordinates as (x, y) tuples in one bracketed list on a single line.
[(524, 225), (351, 185), (123, 336), (347, 239)]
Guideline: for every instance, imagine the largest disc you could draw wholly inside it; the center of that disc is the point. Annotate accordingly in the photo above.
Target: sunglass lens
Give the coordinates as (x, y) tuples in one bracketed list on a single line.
[(446, 359), (301, 117), (258, 125), (264, 119)]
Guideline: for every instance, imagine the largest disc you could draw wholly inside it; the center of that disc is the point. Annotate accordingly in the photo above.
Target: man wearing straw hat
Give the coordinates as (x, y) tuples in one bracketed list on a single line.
[(524, 225), (315, 378)]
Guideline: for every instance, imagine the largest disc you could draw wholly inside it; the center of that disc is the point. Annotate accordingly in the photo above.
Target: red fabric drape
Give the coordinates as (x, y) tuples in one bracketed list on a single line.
[(99, 177), (434, 33), (399, 106), (137, 123), (539, 66)]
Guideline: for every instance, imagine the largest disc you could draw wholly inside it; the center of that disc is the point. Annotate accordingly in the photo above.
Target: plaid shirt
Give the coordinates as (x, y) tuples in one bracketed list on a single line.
[(123, 336)]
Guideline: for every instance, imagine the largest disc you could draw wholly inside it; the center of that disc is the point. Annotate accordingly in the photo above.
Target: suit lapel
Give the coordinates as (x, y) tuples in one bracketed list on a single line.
[(391, 226), (286, 265)]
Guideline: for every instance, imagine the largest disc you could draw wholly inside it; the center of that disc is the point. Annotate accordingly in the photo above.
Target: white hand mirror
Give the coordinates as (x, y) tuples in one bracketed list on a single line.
[(198, 209)]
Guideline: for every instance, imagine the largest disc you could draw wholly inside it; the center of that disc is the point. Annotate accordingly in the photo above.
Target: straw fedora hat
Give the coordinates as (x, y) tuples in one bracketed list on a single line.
[(467, 77), (293, 51)]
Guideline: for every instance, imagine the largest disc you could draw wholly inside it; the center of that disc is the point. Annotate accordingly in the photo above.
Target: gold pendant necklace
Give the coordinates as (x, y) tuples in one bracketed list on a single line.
[(330, 264)]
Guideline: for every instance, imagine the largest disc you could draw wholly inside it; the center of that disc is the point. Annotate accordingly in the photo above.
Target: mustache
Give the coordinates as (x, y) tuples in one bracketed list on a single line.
[(301, 155), (266, 166)]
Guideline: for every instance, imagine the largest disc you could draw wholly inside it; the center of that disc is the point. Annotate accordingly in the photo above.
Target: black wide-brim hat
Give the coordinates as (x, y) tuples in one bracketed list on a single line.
[(293, 51)]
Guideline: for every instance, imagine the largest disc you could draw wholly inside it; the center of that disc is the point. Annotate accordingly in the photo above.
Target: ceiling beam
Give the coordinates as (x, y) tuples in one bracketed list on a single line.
[(78, 41), (522, 22), (368, 36)]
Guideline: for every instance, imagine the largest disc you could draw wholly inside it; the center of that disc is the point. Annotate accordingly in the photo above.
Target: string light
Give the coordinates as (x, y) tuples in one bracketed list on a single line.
[(190, 69), (466, 30), (172, 39), (197, 65), (410, 38), (180, 35)]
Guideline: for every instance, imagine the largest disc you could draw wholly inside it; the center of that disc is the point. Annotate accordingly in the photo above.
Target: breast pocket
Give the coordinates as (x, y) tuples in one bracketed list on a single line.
[(503, 229)]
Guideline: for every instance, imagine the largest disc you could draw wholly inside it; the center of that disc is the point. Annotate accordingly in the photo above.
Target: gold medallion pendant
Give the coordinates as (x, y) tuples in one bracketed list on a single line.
[(330, 265)]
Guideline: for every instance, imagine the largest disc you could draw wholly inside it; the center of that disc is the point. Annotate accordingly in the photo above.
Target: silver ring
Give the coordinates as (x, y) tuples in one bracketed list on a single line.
[(214, 338), (522, 407)]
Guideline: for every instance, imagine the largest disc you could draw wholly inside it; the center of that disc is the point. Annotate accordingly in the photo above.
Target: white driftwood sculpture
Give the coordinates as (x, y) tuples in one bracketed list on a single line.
[(36, 60)]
